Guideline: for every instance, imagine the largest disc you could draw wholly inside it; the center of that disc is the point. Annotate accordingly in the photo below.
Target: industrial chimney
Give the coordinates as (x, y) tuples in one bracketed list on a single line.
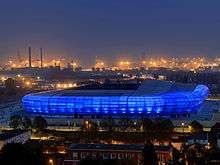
[(29, 53), (41, 57)]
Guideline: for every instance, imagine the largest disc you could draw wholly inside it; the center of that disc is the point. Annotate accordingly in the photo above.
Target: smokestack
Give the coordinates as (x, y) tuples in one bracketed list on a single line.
[(41, 57), (29, 53)]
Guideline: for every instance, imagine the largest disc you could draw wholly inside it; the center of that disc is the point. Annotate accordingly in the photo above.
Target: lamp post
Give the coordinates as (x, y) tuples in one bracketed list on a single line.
[(183, 124), (50, 161)]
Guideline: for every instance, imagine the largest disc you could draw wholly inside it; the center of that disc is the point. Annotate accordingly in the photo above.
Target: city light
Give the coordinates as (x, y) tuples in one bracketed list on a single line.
[(51, 161), (100, 64), (58, 85), (28, 83), (3, 78), (124, 65), (65, 85), (187, 63), (74, 64), (115, 82)]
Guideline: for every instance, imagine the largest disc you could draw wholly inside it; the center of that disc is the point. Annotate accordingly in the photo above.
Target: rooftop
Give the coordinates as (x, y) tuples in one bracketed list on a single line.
[(147, 87), (108, 86), (133, 147), (9, 134), (200, 136)]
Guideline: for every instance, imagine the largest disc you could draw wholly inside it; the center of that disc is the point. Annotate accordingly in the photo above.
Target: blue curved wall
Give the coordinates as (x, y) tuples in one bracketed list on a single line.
[(166, 103)]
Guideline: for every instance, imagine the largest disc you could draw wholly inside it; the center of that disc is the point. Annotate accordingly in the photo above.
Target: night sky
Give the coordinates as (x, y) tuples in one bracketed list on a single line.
[(110, 29)]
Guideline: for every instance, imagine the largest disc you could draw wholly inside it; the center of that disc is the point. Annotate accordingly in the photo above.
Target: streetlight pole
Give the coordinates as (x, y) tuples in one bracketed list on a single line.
[(183, 124), (50, 161)]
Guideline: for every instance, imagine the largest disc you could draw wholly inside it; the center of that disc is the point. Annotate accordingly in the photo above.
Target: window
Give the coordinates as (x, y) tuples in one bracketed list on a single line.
[(121, 156), (83, 155), (75, 155), (113, 156), (129, 156), (106, 155), (94, 154)]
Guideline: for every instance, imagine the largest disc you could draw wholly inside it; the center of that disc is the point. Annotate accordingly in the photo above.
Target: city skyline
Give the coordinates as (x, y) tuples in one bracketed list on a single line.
[(110, 30)]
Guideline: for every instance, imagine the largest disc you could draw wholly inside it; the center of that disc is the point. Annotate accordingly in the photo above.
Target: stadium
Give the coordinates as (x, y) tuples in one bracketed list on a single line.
[(151, 97)]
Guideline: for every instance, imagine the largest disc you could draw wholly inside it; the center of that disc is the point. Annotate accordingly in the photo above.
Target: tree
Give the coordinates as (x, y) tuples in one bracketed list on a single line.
[(26, 123), (39, 123), (125, 122), (148, 128), (10, 85), (163, 129), (194, 154), (148, 125), (214, 133), (149, 154), (15, 121), (196, 127), (89, 126), (109, 124), (215, 129), (19, 154), (217, 91), (177, 157)]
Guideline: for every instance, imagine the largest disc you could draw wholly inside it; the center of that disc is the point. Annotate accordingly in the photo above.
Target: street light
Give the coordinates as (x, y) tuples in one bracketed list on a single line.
[(3, 78), (51, 161), (183, 124), (28, 83), (58, 85)]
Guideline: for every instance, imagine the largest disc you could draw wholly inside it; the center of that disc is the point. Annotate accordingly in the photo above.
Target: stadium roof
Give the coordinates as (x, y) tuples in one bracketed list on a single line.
[(147, 87)]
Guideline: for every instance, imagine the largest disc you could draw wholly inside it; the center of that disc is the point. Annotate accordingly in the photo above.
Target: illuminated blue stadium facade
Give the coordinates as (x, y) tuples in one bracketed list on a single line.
[(151, 97)]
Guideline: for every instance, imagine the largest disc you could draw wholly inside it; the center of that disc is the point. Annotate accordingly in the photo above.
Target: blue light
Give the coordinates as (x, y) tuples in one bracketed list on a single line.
[(165, 103)]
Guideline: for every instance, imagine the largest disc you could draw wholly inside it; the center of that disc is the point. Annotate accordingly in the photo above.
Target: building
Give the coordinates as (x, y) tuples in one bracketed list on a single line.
[(198, 139), (8, 109), (150, 98), (115, 151), (14, 137)]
